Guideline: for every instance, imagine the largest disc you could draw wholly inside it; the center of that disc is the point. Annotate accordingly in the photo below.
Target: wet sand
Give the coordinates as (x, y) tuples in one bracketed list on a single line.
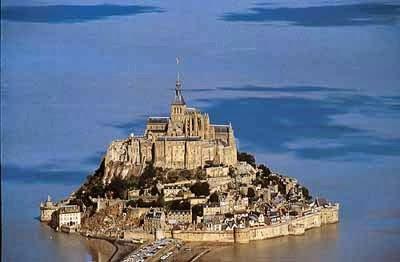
[(122, 249), (108, 250), (99, 249), (194, 251)]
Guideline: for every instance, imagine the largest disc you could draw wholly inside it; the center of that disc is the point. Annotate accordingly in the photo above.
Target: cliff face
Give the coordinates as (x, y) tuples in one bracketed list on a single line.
[(117, 163), (121, 160)]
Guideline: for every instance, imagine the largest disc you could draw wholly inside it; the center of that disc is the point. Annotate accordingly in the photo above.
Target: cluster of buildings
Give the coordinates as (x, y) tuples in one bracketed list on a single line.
[(239, 196), (60, 216), (235, 207), (159, 219)]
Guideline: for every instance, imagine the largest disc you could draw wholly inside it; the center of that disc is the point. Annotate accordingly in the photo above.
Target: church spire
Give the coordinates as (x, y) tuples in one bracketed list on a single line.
[(178, 100)]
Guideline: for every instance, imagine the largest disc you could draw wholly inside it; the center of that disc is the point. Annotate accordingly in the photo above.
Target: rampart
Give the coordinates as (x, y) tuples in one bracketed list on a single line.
[(296, 226), (200, 236)]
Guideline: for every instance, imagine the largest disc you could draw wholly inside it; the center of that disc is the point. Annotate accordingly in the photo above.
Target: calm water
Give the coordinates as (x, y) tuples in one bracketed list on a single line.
[(311, 88), (25, 238)]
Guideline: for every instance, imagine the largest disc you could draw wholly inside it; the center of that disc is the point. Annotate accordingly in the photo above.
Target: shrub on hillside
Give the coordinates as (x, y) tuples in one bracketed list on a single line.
[(246, 157), (200, 189)]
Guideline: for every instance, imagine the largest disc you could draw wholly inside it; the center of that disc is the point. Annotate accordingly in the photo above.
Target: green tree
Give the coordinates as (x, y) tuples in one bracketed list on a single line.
[(149, 171), (250, 192), (306, 193), (119, 188), (131, 203), (186, 174), (97, 190), (146, 179), (231, 172), (179, 205), (154, 191), (250, 159), (282, 188), (200, 189), (133, 182), (197, 211), (265, 170), (141, 203), (214, 198)]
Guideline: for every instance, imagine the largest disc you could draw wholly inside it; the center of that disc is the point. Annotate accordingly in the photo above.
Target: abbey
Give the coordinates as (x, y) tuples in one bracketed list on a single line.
[(184, 140)]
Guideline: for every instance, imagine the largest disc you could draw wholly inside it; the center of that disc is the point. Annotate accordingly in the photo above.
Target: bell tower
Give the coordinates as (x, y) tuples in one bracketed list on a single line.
[(178, 105)]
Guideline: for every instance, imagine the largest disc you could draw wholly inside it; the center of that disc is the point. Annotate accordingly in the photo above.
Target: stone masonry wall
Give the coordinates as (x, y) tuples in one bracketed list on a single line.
[(294, 227)]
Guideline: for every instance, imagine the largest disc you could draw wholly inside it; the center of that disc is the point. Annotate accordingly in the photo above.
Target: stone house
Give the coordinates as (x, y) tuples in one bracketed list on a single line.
[(67, 215), (241, 204), (211, 210), (214, 222), (218, 171), (154, 220), (134, 194), (179, 217), (256, 219), (229, 224)]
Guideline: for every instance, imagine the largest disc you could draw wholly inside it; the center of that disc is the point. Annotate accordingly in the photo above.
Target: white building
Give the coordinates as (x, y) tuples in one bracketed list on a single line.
[(68, 215)]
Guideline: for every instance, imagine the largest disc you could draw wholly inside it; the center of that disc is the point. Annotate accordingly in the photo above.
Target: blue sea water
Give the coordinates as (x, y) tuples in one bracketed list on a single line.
[(310, 87)]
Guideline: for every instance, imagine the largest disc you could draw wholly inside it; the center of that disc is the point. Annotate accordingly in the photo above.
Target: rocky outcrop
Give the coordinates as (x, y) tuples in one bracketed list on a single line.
[(122, 160)]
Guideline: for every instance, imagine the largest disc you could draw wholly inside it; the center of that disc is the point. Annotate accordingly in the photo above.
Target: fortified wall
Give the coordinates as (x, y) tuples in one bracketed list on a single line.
[(296, 226), (204, 236)]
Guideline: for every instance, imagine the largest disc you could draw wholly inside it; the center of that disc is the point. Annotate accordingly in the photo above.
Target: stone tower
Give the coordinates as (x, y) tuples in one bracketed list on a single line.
[(178, 109), (178, 105)]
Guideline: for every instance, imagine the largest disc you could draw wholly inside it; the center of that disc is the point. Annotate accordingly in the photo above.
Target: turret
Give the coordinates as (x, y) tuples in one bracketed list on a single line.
[(178, 105)]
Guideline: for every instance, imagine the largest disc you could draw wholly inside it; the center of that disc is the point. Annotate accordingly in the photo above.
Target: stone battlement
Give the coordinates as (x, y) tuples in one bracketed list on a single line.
[(296, 226)]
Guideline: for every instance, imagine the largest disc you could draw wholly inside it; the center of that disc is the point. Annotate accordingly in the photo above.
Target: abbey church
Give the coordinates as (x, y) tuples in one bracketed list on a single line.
[(184, 140)]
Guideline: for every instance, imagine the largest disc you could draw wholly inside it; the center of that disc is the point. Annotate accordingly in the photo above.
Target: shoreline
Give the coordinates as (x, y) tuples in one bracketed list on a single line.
[(199, 243), (204, 250), (96, 248), (120, 251), (195, 251), (115, 251), (120, 248)]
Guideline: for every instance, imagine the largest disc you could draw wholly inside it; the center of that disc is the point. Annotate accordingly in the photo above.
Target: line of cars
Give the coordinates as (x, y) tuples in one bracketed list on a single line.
[(149, 251), (166, 256)]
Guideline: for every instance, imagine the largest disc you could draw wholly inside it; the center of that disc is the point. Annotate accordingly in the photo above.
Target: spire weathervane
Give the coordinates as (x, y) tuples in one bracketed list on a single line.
[(177, 62), (178, 94)]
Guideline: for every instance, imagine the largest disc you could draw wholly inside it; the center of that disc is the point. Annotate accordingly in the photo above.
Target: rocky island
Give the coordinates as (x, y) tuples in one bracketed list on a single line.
[(184, 181)]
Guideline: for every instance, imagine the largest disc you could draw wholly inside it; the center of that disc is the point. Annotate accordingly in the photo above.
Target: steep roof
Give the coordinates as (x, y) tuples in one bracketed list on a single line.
[(178, 99), (158, 120), (221, 128), (178, 138)]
